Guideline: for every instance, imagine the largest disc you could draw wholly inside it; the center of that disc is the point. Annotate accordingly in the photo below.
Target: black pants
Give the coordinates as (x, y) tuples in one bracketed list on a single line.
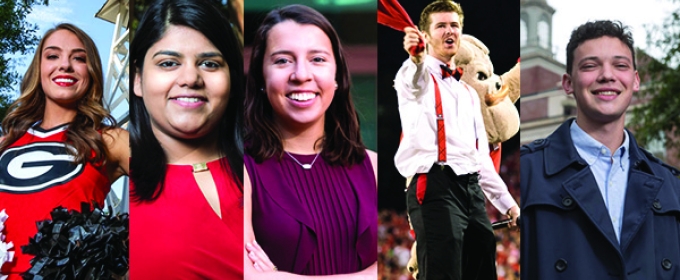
[(454, 235)]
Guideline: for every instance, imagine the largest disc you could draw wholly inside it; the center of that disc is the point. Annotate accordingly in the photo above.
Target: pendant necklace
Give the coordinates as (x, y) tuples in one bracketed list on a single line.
[(306, 166)]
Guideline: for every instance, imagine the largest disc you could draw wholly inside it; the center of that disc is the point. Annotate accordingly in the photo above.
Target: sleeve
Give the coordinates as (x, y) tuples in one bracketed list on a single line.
[(412, 80), (491, 183)]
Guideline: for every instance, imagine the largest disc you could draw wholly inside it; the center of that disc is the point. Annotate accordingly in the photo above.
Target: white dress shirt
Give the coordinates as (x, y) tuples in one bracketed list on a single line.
[(463, 123)]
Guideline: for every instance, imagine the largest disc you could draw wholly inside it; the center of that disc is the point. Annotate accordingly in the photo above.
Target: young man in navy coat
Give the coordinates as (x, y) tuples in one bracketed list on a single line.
[(594, 204)]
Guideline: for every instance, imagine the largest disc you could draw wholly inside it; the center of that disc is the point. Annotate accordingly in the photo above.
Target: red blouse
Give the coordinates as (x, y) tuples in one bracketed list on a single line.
[(179, 236)]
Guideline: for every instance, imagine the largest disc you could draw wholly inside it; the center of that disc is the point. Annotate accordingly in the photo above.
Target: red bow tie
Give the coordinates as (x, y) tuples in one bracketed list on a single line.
[(448, 72)]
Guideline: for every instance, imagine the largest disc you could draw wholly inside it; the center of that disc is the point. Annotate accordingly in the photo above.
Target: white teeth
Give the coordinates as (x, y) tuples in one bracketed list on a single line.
[(188, 99), (607, 93), (302, 96), (64, 80)]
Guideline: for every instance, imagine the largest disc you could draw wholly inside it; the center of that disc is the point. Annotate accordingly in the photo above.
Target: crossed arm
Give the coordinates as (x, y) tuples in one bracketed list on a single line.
[(256, 262)]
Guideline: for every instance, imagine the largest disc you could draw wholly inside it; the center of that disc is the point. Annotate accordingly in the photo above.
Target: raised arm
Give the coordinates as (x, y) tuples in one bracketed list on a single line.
[(412, 79)]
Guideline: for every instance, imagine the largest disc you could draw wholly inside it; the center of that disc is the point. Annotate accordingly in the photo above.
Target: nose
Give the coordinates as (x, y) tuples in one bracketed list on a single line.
[(301, 73), (65, 63), (190, 77), (606, 75)]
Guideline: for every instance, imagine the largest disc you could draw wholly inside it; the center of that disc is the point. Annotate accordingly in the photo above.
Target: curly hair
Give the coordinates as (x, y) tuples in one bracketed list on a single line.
[(342, 144), (92, 119), (596, 29)]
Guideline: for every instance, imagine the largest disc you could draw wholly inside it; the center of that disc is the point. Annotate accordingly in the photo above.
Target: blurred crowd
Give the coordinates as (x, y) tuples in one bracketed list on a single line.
[(395, 237)]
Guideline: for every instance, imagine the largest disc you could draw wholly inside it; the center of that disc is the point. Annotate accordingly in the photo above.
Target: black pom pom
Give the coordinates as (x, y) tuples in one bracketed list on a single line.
[(90, 244)]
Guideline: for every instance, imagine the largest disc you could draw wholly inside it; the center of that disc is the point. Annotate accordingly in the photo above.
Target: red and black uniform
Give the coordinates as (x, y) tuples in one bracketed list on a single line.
[(37, 174)]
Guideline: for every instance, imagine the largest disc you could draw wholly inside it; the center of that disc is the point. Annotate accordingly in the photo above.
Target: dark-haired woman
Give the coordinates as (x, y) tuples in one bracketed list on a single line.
[(186, 218), (310, 189), (61, 147)]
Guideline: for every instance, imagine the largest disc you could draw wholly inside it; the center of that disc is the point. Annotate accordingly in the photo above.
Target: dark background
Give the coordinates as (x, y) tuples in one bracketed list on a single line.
[(492, 22), (356, 25)]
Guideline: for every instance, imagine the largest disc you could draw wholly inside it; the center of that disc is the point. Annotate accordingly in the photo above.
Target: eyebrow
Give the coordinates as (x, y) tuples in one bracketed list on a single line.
[(177, 54), (168, 53), (209, 54), (287, 52), (59, 49), (448, 22), (595, 58)]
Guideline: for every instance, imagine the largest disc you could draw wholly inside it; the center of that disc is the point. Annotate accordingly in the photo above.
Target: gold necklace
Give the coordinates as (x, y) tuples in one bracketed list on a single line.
[(200, 167)]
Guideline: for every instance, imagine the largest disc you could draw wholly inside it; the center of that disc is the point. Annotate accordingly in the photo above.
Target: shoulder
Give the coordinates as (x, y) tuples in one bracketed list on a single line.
[(534, 146), (115, 133), (373, 157), (117, 141), (656, 161)]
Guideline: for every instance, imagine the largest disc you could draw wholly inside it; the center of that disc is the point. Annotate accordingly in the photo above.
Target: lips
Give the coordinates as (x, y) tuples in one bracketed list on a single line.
[(190, 101), (301, 96), (606, 94), (64, 81)]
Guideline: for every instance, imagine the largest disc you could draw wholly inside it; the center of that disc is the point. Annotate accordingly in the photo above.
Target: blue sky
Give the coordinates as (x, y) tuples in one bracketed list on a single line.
[(78, 12)]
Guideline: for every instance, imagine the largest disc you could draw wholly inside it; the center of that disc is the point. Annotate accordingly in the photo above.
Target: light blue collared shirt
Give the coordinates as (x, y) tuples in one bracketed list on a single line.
[(610, 171)]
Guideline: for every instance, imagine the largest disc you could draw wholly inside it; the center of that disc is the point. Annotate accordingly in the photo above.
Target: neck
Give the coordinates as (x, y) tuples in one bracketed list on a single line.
[(189, 151), (610, 134), (302, 139), (55, 115), (445, 59)]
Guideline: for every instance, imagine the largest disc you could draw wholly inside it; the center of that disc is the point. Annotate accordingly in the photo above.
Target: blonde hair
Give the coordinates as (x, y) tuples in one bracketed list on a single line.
[(84, 132)]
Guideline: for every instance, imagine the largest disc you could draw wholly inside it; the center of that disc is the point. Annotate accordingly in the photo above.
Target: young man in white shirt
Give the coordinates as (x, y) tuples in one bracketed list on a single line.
[(444, 198)]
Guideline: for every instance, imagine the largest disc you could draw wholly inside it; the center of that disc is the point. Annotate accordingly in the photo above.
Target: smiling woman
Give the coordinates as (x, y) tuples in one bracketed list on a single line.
[(309, 175), (186, 160), (61, 147)]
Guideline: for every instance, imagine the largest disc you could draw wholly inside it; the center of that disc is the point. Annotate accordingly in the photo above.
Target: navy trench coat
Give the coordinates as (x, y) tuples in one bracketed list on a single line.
[(566, 231)]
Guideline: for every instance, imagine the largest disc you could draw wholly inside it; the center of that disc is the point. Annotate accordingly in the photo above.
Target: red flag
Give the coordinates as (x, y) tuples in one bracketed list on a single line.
[(393, 15)]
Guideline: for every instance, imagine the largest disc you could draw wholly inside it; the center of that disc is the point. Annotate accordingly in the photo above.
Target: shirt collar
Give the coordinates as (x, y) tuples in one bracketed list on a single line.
[(590, 149), (433, 65)]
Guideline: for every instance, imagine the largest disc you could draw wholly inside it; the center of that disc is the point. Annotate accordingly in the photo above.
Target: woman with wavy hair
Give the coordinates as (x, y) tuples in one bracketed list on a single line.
[(61, 147), (186, 166), (310, 190)]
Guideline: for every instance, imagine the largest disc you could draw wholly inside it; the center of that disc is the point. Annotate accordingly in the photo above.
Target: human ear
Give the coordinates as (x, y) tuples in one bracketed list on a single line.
[(138, 84), (567, 84)]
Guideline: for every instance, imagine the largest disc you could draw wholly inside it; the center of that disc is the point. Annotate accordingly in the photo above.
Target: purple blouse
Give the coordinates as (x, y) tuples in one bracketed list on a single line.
[(320, 221)]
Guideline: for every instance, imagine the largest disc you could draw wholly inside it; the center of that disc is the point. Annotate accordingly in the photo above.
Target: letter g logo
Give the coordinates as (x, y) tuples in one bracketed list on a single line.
[(36, 166)]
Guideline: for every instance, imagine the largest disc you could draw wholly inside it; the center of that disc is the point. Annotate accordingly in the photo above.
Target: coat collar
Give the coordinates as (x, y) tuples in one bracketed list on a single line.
[(561, 153)]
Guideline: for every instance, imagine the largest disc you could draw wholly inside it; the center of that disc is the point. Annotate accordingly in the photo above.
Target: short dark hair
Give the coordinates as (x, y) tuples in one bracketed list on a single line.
[(439, 6), (148, 160), (596, 29), (342, 142)]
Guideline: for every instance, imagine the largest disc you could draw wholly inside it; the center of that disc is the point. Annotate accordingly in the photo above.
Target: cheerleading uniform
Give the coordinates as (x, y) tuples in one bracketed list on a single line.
[(179, 235), (37, 174)]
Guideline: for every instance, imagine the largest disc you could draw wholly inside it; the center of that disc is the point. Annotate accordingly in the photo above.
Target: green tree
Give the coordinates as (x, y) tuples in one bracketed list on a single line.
[(16, 37), (661, 112)]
